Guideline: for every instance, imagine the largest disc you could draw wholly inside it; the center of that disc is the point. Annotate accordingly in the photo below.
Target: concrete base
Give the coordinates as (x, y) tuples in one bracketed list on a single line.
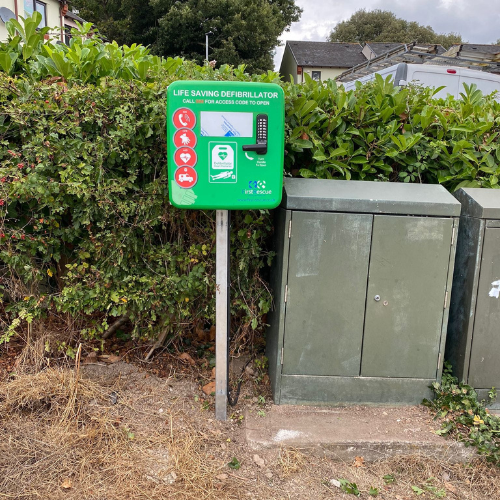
[(343, 433)]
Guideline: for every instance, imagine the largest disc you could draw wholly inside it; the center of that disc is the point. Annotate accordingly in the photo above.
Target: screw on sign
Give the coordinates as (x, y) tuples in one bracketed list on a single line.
[(184, 137), (185, 157), (184, 118), (186, 177)]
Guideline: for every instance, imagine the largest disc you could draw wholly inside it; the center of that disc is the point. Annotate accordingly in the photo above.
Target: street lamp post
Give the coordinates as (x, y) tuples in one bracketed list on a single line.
[(206, 44)]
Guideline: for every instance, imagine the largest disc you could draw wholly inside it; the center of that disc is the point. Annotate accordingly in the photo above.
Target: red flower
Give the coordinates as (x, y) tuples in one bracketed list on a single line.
[(3, 179), (2, 202), (23, 237), (20, 165)]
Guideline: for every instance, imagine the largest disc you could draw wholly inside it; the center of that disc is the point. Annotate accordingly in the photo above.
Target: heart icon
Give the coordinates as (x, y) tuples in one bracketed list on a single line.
[(222, 155), (185, 157)]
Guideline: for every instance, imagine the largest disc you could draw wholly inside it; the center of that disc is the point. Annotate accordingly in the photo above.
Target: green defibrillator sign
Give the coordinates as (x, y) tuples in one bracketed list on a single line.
[(225, 143)]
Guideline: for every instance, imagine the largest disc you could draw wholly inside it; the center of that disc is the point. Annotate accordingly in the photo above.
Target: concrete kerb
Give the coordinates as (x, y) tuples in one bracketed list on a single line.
[(374, 433)]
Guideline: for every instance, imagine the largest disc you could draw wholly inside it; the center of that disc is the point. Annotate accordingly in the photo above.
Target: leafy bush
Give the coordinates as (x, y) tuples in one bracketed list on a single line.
[(85, 223), (88, 59), (379, 132), (465, 417)]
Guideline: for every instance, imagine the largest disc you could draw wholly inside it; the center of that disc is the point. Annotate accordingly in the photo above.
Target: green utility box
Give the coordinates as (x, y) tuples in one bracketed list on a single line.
[(361, 283), (225, 144), (473, 345)]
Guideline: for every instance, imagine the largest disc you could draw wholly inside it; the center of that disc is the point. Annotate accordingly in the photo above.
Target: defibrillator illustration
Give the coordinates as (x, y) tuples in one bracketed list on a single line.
[(222, 157)]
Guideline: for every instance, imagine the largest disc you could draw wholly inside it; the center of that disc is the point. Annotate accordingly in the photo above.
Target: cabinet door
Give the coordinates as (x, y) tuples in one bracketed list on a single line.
[(484, 371), (327, 277), (408, 273)]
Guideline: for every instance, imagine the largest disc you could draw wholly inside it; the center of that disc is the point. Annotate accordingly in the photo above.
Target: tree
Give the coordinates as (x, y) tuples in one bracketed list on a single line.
[(383, 26), (244, 31)]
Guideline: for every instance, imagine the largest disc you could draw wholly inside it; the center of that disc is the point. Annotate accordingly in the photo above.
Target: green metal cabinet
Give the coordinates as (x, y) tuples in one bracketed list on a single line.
[(361, 280), (473, 345)]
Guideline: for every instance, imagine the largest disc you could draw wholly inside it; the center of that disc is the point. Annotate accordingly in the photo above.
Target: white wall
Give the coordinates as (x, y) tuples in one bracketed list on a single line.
[(326, 73), (53, 14), (10, 5), (288, 66)]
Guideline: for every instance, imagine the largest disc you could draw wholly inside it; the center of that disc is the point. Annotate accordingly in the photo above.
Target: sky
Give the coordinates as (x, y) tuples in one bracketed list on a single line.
[(478, 21)]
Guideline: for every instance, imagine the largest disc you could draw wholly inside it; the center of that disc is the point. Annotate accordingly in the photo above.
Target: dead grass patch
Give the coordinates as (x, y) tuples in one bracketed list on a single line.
[(290, 461), (62, 439), (435, 478)]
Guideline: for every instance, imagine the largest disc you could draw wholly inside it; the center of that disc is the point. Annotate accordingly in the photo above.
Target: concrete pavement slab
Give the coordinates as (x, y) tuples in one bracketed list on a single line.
[(346, 432)]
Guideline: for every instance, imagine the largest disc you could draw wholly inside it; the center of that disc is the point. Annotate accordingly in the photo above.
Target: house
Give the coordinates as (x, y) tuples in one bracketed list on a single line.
[(321, 60), (70, 20), (53, 14), (324, 60)]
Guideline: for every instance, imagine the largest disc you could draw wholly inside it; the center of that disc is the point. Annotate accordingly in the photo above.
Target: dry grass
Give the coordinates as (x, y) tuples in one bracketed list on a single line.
[(196, 469), (55, 394), (436, 478), (290, 461), (60, 440)]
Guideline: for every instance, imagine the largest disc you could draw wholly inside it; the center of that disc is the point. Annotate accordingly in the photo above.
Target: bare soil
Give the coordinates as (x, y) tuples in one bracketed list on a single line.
[(108, 429)]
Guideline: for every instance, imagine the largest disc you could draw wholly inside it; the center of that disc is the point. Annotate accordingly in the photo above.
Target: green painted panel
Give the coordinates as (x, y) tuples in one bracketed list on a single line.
[(276, 316), (301, 389), (327, 277), (479, 202), (484, 371), (492, 404), (399, 198), (408, 271), (463, 295)]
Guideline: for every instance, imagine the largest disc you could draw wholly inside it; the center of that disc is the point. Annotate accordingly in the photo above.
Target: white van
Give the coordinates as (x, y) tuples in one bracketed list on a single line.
[(429, 75)]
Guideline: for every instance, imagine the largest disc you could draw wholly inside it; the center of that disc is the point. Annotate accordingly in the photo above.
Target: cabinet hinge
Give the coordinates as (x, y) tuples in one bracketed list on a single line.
[(445, 299), (286, 292), (282, 355), (453, 236), (290, 229)]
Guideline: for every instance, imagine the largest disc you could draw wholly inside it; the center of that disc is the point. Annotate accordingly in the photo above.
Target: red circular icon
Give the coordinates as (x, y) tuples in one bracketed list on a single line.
[(185, 157), (186, 177), (184, 137), (184, 118)]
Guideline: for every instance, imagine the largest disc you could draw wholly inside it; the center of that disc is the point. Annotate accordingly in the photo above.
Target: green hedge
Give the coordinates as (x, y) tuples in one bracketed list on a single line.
[(85, 223), (379, 132)]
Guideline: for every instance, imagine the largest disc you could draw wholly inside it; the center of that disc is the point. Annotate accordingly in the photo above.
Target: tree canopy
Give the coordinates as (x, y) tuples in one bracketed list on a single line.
[(383, 26), (244, 31)]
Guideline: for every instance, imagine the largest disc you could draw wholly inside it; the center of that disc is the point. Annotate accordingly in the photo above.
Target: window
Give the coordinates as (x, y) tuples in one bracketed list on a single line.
[(67, 34), (31, 6), (316, 75), (42, 8)]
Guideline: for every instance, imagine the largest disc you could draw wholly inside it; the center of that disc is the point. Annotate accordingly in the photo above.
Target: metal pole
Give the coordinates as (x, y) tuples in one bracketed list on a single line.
[(206, 46), (222, 313)]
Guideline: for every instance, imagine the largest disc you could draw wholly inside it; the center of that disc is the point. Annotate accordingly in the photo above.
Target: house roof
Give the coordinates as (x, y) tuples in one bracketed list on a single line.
[(491, 49), (382, 47), (326, 54), (72, 15)]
